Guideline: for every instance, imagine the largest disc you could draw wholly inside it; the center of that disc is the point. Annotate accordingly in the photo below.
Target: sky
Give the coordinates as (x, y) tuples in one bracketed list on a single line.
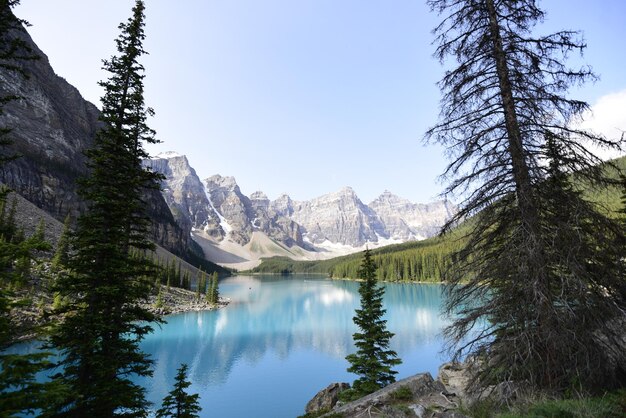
[(304, 96)]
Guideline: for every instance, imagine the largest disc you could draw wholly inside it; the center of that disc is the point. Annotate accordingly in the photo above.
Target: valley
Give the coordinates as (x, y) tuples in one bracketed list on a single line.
[(237, 231)]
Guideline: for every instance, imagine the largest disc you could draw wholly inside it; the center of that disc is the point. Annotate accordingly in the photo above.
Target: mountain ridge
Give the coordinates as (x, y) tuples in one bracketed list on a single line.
[(229, 225)]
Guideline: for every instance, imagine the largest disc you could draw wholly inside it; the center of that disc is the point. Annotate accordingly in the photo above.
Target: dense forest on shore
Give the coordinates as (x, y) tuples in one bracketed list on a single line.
[(419, 261)]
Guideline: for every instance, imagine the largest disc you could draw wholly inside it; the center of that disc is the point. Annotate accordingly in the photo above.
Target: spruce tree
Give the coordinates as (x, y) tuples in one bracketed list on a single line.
[(215, 291), (19, 390), (178, 403), (535, 271), (207, 286), (373, 360), (104, 323), (199, 288)]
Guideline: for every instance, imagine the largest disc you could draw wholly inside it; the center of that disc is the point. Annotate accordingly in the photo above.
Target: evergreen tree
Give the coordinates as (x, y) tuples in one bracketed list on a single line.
[(207, 286), (179, 404), (159, 299), (172, 278), (104, 323), (199, 288), (19, 390), (61, 254), (40, 232), (534, 270), (373, 360), (215, 291)]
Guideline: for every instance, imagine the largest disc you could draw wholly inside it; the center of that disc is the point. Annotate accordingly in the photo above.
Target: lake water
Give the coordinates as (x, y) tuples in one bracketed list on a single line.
[(282, 339)]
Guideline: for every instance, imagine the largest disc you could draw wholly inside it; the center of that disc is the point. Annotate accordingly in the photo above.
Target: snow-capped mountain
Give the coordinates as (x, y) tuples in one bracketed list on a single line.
[(238, 230)]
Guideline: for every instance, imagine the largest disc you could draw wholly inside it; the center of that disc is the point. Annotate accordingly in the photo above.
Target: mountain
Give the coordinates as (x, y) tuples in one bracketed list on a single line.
[(339, 218), (238, 230), (406, 221), (51, 127), (184, 193)]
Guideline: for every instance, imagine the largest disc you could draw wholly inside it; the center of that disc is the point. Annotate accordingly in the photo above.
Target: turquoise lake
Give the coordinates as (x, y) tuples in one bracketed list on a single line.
[(282, 339)]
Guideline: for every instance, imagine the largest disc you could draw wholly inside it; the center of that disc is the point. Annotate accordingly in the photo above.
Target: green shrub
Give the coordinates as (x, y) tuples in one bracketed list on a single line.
[(350, 395), (609, 406), (402, 394)]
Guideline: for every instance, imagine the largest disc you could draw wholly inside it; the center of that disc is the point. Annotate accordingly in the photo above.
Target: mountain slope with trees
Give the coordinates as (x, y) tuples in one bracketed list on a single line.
[(425, 260), (52, 126)]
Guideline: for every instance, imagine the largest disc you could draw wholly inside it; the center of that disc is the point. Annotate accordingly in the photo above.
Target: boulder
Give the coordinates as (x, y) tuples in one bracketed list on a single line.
[(422, 387), (455, 376), (326, 398)]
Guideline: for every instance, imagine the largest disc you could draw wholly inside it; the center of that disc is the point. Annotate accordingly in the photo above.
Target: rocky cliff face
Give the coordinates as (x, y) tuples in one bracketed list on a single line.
[(236, 209), (184, 193), (241, 216), (405, 221), (52, 125), (338, 217)]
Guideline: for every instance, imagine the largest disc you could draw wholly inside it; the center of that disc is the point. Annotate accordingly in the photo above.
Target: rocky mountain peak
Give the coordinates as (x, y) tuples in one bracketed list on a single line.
[(346, 191), (169, 155), (283, 205), (335, 218), (173, 166), (338, 217), (405, 220), (227, 183), (184, 193), (388, 199), (259, 196)]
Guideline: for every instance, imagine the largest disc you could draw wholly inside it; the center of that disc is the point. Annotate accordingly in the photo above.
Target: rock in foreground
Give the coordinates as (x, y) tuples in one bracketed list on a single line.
[(418, 395), (326, 398)]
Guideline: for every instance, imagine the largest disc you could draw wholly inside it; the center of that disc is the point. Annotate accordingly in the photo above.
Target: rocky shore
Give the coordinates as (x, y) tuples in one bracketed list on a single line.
[(30, 319), (176, 300)]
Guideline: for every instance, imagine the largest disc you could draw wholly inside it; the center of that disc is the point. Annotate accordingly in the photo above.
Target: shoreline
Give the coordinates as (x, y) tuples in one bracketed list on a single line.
[(326, 275), (175, 301)]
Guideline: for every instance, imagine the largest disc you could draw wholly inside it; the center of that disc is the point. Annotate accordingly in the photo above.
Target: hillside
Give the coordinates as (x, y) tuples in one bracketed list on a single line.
[(419, 260), (28, 216)]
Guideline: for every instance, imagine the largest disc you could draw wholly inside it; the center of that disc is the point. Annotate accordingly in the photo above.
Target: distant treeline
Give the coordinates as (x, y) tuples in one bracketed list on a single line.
[(421, 261)]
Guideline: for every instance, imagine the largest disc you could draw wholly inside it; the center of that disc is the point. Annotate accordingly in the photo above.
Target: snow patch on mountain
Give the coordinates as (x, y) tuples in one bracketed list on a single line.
[(166, 155), (222, 221)]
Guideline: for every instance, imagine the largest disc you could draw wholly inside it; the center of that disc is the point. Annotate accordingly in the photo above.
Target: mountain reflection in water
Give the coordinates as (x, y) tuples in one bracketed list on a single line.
[(282, 339)]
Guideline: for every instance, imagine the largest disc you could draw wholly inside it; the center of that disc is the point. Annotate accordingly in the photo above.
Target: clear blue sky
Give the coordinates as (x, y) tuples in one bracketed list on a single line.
[(300, 96)]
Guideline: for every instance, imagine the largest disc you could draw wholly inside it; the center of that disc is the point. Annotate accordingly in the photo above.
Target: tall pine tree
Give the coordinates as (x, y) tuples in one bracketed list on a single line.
[(61, 254), (533, 268), (215, 288), (104, 323), (373, 360)]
